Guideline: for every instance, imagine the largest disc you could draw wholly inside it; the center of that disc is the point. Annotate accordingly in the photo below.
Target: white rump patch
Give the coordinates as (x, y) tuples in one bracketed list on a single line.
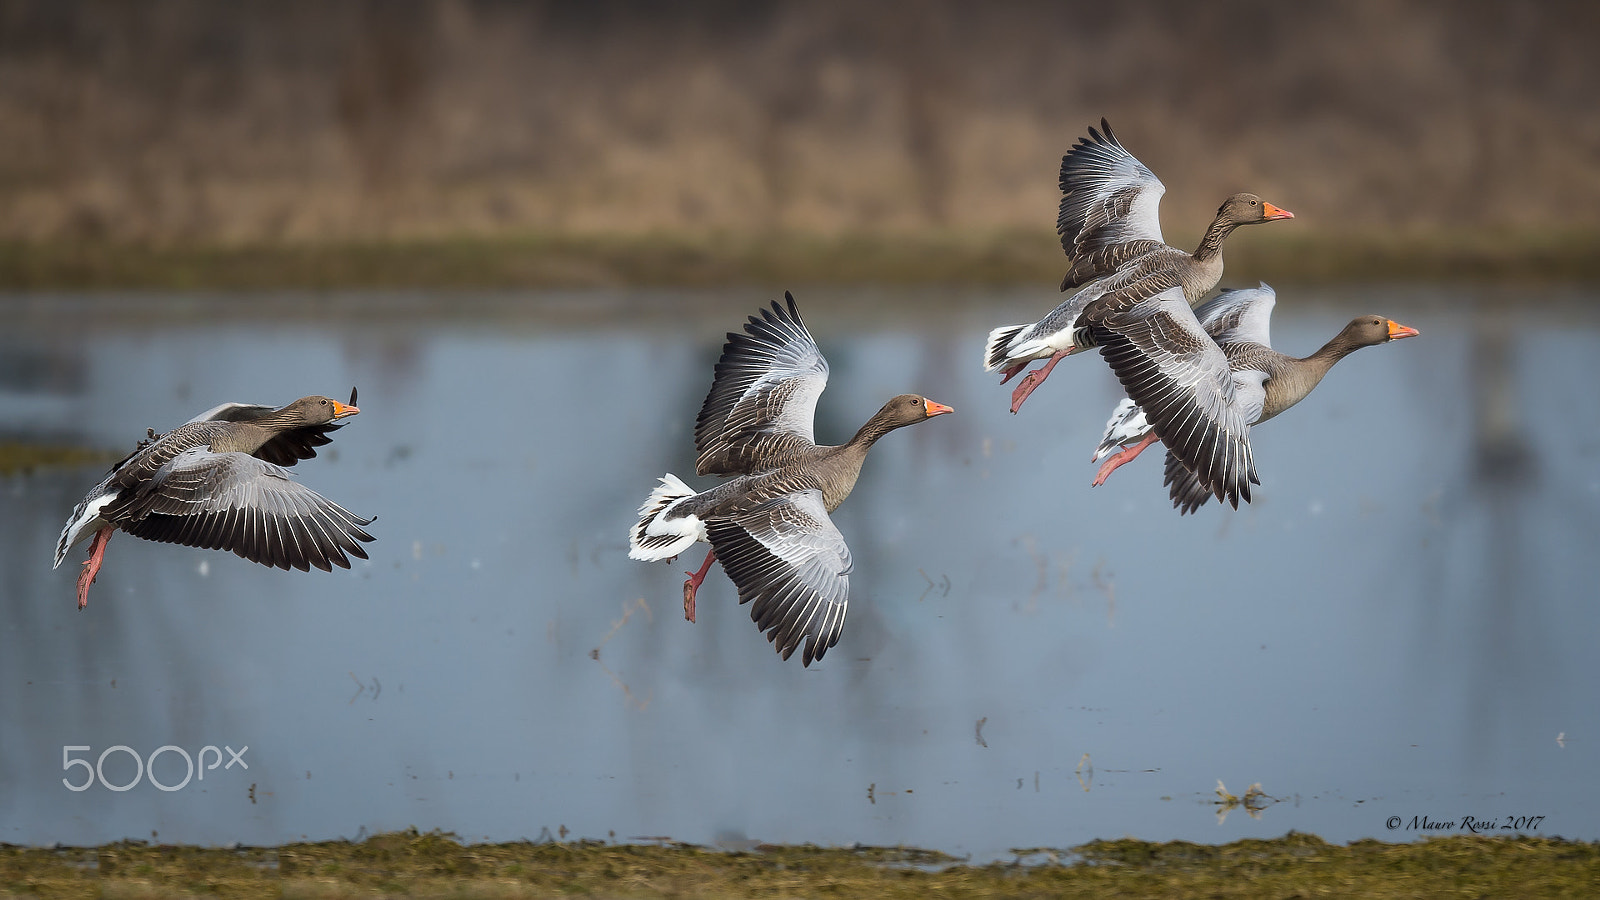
[(85, 521), (657, 537)]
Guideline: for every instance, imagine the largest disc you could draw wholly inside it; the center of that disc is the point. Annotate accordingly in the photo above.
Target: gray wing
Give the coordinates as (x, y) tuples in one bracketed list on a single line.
[(1107, 196), (1239, 316), (763, 399), (789, 561), (1143, 275), (1249, 392), (234, 501), (1181, 379), (232, 412), (1186, 491)]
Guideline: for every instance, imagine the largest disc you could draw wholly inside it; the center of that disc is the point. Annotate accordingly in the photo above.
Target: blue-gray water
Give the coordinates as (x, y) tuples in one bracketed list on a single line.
[(1401, 624)]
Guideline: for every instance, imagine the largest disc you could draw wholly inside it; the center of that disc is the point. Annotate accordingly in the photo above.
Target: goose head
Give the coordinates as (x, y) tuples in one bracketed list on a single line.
[(1369, 331), (909, 409), (316, 410), (1248, 209)]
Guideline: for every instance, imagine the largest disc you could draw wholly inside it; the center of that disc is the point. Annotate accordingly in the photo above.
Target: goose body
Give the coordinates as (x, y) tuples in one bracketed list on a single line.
[(219, 482), (1110, 229), (1265, 381), (769, 523)]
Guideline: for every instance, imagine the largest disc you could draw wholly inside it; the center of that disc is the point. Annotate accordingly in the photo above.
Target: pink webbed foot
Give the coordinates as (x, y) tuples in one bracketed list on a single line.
[(693, 584), (91, 566), (1122, 458), (1033, 380)]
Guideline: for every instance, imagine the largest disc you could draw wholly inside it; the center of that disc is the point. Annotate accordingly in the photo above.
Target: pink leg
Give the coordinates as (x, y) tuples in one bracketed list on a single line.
[(693, 584), (1122, 458), (1032, 380), (91, 566)]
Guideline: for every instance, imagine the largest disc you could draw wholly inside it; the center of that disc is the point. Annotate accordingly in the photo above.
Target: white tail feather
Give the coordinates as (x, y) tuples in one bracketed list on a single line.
[(655, 537), (1126, 426), (997, 350), (84, 522)]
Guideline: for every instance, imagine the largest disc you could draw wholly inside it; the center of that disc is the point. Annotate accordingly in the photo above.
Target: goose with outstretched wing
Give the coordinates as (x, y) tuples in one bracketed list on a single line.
[(1239, 323), (1110, 230), (769, 523), (219, 482)]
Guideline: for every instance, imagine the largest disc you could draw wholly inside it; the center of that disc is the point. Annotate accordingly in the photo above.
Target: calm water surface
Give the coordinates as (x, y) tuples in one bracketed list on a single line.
[(1402, 624)]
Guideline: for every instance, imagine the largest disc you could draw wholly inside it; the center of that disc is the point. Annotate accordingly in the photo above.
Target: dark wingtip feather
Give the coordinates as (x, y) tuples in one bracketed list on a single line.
[(794, 308)]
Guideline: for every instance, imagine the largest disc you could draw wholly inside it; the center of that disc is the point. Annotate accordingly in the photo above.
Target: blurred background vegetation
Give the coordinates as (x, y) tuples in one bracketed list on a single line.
[(484, 142)]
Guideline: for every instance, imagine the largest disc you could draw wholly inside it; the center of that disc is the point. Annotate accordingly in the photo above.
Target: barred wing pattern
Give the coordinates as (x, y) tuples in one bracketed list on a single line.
[(1236, 316), (1239, 316), (1108, 197), (1186, 491), (791, 564), (1181, 379), (234, 501), (763, 399)]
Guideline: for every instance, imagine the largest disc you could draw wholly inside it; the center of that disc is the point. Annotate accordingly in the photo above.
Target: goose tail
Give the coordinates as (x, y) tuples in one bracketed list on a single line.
[(658, 534)]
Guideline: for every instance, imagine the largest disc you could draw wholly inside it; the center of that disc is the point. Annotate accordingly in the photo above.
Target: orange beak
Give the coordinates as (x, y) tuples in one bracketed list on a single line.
[(1398, 331), (340, 410), (1268, 211), (936, 409)]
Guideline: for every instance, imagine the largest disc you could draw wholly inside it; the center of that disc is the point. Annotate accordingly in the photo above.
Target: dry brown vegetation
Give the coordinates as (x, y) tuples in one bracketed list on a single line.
[(183, 123)]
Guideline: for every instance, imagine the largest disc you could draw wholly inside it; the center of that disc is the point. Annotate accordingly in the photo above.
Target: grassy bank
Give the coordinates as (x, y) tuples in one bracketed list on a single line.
[(432, 865), (679, 259), (16, 457)]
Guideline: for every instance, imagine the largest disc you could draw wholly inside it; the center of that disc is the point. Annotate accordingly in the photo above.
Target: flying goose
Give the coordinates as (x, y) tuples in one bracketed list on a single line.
[(1266, 382), (769, 523), (1111, 233), (218, 482)]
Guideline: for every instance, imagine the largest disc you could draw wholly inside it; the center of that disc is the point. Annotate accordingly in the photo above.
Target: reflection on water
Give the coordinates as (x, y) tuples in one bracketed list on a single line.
[(1401, 624)]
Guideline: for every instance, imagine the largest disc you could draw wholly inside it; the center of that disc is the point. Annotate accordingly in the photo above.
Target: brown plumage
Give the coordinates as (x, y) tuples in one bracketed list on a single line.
[(1109, 219), (1110, 229), (1265, 383), (218, 482), (1163, 265), (769, 523)]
